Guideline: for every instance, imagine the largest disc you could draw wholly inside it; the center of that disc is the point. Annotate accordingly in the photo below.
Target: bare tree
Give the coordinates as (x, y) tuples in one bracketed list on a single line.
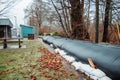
[(71, 17), (77, 20), (106, 21), (6, 5), (88, 16), (66, 16), (37, 13), (63, 16), (97, 21)]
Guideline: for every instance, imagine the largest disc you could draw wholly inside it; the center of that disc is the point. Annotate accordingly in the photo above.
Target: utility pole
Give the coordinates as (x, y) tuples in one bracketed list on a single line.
[(97, 22), (15, 21), (16, 26)]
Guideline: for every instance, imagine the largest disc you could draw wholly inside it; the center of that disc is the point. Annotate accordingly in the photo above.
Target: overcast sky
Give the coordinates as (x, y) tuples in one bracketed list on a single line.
[(18, 11)]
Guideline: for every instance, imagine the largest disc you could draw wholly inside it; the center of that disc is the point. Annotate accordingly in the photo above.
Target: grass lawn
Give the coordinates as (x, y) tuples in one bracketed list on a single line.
[(21, 64)]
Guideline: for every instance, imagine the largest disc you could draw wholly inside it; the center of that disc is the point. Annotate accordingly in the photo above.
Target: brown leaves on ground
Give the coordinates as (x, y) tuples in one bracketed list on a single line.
[(49, 60), (32, 77), (52, 67)]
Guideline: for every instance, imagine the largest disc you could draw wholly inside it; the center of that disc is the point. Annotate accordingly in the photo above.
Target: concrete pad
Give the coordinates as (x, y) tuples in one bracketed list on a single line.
[(13, 46)]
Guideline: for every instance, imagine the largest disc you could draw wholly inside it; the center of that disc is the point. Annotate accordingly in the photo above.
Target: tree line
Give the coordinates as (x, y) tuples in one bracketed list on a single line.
[(77, 17)]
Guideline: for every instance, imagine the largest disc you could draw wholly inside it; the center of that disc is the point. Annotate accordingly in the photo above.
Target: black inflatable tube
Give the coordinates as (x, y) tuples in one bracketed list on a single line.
[(107, 58)]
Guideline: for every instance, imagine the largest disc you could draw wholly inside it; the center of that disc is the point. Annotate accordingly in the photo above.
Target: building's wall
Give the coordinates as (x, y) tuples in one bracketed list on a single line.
[(14, 33), (26, 30), (1, 32), (9, 32), (5, 33)]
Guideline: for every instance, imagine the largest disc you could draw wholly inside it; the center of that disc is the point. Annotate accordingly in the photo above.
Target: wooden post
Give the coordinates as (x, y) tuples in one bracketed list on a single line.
[(5, 43), (91, 63), (118, 30), (19, 43)]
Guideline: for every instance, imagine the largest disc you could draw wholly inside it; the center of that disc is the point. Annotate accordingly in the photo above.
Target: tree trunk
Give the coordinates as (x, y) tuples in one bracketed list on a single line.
[(106, 21), (97, 22), (88, 15), (77, 21)]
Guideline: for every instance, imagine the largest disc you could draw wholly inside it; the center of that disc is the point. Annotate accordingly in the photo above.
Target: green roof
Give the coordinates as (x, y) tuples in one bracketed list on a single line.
[(6, 22)]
